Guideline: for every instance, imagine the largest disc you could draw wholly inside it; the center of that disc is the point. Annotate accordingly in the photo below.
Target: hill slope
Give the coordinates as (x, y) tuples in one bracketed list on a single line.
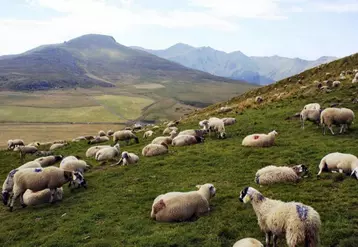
[(91, 60), (114, 210), (236, 65)]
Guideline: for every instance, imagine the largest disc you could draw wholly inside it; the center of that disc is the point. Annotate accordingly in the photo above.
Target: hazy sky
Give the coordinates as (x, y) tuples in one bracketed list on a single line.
[(293, 28)]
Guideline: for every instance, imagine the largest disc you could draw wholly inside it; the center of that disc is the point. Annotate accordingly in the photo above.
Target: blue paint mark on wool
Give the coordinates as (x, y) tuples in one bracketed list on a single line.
[(302, 212), (38, 170), (12, 173)]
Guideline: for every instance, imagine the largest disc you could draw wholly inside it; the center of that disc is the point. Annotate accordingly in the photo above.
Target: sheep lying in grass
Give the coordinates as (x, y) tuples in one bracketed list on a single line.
[(229, 121), (58, 145), (260, 140), (279, 174), (312, 115), (37, 179), (338, 116), (182, 206), (31, 198), (155, 149), (300, 223), (341, 162), (312, 106), (99, 139), (166, 139), (127, 159), (148, 133), (173, 123), (80, 138), (14, 143), (91, 152), (124, 135), (192, 132), (168, 130), (49, 160), (336, 83), (248, 242), (101, 133), (225, 109), (184, 140), (108, 154)]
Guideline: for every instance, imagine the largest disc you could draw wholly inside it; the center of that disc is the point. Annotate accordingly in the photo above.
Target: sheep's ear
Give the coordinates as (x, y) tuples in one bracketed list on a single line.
[(198, 186)]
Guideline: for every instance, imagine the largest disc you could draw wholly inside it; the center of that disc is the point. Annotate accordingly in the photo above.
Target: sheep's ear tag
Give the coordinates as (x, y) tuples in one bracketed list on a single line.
[(247, 198)]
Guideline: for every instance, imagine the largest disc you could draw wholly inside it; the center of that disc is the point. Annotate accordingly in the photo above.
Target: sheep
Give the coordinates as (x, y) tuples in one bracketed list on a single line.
[(109, 153), (279, 174), (166, 139), (25, 150), (168, 130), (224, 109), (31, 164), (49, 160), (299, 222), (260, 140), (192, 132), (148, 133), (341, 162), (248, 242), (99, 139), (311, 115), (229, 121), (216, 125), (182, 206), (259, 99), (33, 144), (184, 140), (71, 163), (124, 135), (78, 139), (14, 143), (127, 128), (336, 83), (59, 141), (127, 158), (101, 133), (155, 127), (91, 152), (31, 198), (110, 133), (204, 124), (37, 179), (338, 116), (155, 149), (312, 106), (58, 145)]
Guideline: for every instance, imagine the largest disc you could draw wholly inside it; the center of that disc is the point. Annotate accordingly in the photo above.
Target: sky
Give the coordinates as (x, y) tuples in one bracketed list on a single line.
[(306, 29)]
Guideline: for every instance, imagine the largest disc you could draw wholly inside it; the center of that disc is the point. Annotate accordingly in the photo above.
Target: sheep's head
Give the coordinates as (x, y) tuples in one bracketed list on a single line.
[(274, 132), (355, 173), (207, 188), (199, 139), (79, 179), (248, 193), (125, 155), (300, 169)]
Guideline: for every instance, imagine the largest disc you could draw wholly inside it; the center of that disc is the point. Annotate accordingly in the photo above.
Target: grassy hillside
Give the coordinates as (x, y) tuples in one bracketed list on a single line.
[(114, 210)]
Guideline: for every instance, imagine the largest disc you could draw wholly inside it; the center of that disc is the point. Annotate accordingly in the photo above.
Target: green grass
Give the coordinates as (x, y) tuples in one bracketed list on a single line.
[(114, 210)]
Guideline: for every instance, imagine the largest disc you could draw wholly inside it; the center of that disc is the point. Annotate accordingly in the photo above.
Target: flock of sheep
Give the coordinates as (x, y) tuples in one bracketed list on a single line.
[(39, 181)]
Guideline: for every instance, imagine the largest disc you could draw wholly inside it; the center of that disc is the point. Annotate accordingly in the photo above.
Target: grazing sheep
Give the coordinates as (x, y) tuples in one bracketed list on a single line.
[(184, 140), (25, 150), (312, 106), (337, 116), (127, 158), (229, 121), (168, 130), (107, 154), (166, 139), (312, 115), (14, 143), (248, 242), (37, 179), (260, 140), (101, 133), (110, 133), (58, 145), (155, 149), (216, 125), (279, 174), (341, 162), (31, 198), (91, 152), (336, 83), (49, 160), (182, 206), (148, 133), (192, 132), (299, 222), (259, 99), (124, 135), (99, 139)]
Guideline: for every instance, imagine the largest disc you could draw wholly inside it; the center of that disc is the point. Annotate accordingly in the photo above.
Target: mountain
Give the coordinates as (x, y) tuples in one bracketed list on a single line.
[(92, 60), (236, 65)]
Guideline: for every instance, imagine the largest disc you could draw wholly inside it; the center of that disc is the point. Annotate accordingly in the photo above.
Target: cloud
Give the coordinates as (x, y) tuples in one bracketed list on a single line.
[(338, 6)]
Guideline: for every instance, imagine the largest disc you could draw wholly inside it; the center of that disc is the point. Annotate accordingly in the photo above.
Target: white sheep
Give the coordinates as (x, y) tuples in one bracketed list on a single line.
[(259, 99), (338, 116), (224, 109), (49, 160), (229, 121), (184, 140), (336, 83), (312, 115), (31, 198), (182, 206), (99, 139), (124, 135), (173, 123), (341, 162), (108, 154), (79, 138), (168, 130), (155, 149), (204, 124), (58, 145), (216, 125), (312, 106), (192, 132), (127, 159), (148, 133), (101, 133), (37, 179), (279, 174), (166, 139), (30, 164), (91, 152), (74, 164), (14, 143), (300, 223), (248, 242), (260, 140)]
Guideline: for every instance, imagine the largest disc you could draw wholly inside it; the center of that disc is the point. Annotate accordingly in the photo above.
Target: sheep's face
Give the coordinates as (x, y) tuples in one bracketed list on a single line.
[(300, 169), (248, 193), (78, 178), (125, 155), (355, 173), (244, 197), (210, 187)]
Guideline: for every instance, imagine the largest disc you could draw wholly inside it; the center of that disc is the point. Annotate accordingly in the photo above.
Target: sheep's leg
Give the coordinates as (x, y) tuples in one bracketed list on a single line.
[(268, 239), (14, 196), (342, 128), (331, 129), (52, 195), (275, 240), (22, 201), (324, 129)]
